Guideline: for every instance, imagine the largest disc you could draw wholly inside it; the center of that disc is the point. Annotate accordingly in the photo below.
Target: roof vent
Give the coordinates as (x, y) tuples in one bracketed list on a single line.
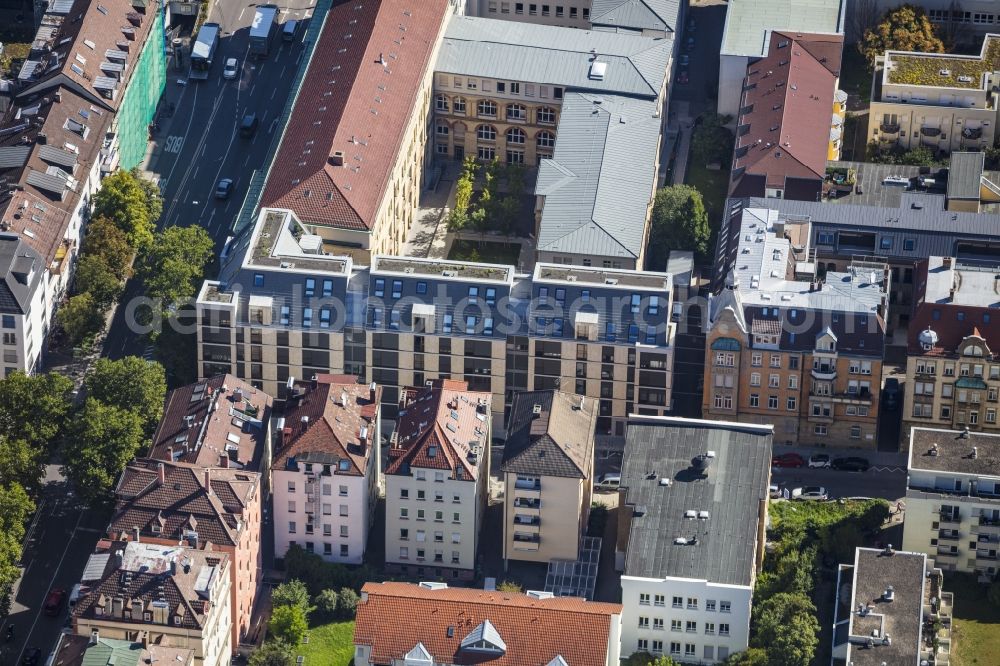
[(975, 452), (597, 70), (934, 449), (664, 481), (337, 159), (888, 551), (889, 594), (965, 433), (536, 411)]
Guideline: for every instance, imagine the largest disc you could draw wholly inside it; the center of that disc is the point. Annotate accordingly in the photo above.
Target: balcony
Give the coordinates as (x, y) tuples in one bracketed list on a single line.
[(525, 503), (530, 521), (824, 372), (986, 555), (889, 128), (945, 557), (972, 133), (930, 131), (522, 538), (948, 535), (950, 517), (535, 485)]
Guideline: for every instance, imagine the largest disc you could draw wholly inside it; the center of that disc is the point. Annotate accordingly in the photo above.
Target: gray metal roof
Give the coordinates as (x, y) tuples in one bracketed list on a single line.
[(731, 492), (600, 180), (636, 14), (965, 175), (55, 155), (20, 267), (509, 50), (749, 23), (14, 157), (48, 182)]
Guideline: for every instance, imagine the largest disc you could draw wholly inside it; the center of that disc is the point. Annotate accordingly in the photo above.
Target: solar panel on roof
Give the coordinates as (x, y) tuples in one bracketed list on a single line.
[(54, 155)]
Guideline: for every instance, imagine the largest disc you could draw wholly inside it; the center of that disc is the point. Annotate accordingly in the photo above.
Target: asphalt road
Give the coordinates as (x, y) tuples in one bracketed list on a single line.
[(199, 143), (879, 481)]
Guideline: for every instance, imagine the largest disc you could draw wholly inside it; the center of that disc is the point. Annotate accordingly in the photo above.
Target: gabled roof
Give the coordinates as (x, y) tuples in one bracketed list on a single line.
[(786, 112), (325, 424), (526, 630), (636, 14), (21, 271), (356, 99), (557, 441), (443, 426)]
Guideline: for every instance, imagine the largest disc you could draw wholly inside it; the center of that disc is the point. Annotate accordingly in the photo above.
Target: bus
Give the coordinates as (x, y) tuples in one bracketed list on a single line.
[(203, 50), (265, 22)]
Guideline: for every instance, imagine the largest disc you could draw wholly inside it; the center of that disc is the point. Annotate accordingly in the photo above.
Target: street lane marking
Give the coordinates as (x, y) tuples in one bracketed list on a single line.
[(173, 144)]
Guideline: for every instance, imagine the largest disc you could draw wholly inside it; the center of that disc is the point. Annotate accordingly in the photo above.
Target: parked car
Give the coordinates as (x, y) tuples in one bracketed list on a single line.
[(774, 491), (685, 60), (608, 482), (31, 657), (691, 25), (890, 394), (810, 493), (689, 45), (788, 460), (683, 78), (231, 69), (224, 188), (850, 464), (819, 460), (54, 601)]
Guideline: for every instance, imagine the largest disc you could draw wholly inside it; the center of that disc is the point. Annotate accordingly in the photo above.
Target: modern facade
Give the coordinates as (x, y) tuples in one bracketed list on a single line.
[(749, 29), (354, 188), (326, 470), (216, 511), (548, 475), (436, 624), (179, 596), (692, 515), (509, 91), (952, 379), (280, 309), (437, 481), (891, 609), (953, 500), (789, 347), (649, 18), (940, 101), (788, 113)]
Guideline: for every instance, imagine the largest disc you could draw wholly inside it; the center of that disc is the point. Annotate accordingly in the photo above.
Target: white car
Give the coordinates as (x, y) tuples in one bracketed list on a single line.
[(819, 460), (608, 483), (231, 69), (810, 493)]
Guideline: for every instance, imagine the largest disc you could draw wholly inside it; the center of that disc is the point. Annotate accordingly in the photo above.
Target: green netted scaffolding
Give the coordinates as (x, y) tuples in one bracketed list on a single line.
[(144, 90)]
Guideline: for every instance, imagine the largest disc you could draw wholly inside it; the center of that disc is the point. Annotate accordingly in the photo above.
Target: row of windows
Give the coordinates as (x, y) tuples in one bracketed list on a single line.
[(327, 529), (404, 493), (926, 410), (958, 16), (345, 550), (964, 369), (687, 626), (421, 555), (404, 514), (327, 509), (885, 243), (948, 392), (485, 108), (515, 135), (546, 10), (421, 536), (679, 602), (690, 649), (502, 87), (327, 488)]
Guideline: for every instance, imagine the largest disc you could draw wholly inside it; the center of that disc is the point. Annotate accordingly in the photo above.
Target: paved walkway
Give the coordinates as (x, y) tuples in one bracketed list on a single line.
[(428, 234)]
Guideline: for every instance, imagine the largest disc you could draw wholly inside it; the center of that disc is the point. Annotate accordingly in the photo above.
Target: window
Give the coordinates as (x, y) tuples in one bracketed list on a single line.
[(546, 116), (755, 400), (772, 402), (642, 645), (458, 104), (446, 327), (471, 84), (310, 286), (657, 647), (643, 599), (636, 300), (658, 600), (643, 622), (677, 602), (689, 649), (258, 281), (291, 527), (291, 506), (756, 358), (790, 403), (754, 379), (725, 606), (545, 140), (486, 153), (692, 603), (486, 133), (421, 287), (723, 629), (516, 135), (691, 627), (486, 109), (675, 648), (516, 112), (775, 361), (343, 509), (675, 625), (709, 628), (441, 103), (658, 623)]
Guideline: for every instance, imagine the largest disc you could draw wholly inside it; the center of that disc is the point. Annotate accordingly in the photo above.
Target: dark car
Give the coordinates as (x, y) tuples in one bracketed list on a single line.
[(248, 126), (55, 600), (788, 460), (31, 657), (690, 44), (850, 464), (224, 188), (683, 78), (890, 394)]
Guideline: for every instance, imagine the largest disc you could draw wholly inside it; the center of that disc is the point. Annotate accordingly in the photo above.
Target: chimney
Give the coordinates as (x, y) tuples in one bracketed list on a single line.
[(975, 452), (170, 453), (343, 398), (305, 423), (95, 636), (208, 481), (135, 534), (161, 473), (223, 460), (315, 381), (371, 389), (363, 437)]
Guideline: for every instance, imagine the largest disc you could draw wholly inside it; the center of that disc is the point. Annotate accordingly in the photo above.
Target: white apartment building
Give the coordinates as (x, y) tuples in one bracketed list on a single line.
[(326, 470), (436, 480), (693, 508), (22, 309), (179, 596), (940, 101), (953, 499)]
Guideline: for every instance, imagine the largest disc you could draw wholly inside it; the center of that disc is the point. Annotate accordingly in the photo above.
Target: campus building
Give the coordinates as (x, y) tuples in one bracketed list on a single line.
[(692, 515)]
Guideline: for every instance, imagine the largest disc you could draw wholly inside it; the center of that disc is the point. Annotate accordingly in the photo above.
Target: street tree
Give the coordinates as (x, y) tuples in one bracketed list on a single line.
[(81, 318), (95, 277), (130, 383), (273, 653), (173, 266), (20, 463), (103, 439), (785, 625), (35, 408), (130, 204), (905, 28), (679, 222), (288, 624), (106, 240), (15, 508)]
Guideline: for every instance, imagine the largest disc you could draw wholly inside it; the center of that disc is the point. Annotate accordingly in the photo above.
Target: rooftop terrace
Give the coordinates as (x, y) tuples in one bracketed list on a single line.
[(604, 277), (459, 270), (280, 241), (942, 69)]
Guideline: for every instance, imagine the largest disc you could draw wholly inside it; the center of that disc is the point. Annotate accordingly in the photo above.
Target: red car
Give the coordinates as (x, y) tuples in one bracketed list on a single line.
[(682, 77), (788, 460), (54, 602)]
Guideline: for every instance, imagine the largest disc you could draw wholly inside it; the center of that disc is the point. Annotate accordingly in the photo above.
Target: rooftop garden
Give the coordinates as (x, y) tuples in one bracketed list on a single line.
[(929, 69)]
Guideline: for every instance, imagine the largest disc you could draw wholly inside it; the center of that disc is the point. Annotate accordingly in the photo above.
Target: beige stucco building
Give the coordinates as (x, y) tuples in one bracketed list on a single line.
[(943, 102), (548, 470)]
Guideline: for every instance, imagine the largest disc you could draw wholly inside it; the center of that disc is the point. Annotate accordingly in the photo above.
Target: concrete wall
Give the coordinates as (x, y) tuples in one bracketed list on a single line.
[(732, 71), (561, 518)]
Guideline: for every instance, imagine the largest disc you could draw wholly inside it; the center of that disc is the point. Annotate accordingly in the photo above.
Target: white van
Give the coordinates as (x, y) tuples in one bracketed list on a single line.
[(608, 482)]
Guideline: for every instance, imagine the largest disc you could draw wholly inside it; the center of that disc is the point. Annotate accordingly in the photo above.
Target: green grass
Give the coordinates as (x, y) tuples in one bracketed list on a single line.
[(329, 644), (485, 251), (713, 186), (976, 623)]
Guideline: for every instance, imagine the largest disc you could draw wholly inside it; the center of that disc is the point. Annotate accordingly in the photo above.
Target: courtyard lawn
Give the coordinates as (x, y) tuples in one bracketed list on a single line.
[(329, 645), (713, 186), (976, 622), (489, 252)]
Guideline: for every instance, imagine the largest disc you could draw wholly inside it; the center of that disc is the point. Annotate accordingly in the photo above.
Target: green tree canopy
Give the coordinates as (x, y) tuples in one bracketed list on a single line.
[(291, 593), (174, 265), (106, 240), (711, 140), (288, 624), (103, 439), (347, 603), (133, 205), (679, 222), (751, 657), (273, 653), (81, 317), (95, 277), (905, 28), (785, 625), (325, 604), (15, 507), (35, 408), (647, 659), (20, 463), (132, 384)]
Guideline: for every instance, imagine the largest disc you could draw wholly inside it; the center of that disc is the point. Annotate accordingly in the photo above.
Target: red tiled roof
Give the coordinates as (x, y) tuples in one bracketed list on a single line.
[(397, 616), (438, 426), (791, 102), (356, 98), (220, 425), (331, 427)]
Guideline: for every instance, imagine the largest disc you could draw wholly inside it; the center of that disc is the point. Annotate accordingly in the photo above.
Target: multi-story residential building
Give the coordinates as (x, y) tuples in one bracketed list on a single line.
[(212, 510), (436, 624), (95, 650), (508, 91), (953, 499), (179, 596), (785, 128), (896, 610), (749, 29), (651, 18), (79, 108), (940, 101), (548, 470), (692, 514), (789, 347), (952, 371), (281, 310), (354, 188), (326, 468), (437, 480), (22, 314)]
